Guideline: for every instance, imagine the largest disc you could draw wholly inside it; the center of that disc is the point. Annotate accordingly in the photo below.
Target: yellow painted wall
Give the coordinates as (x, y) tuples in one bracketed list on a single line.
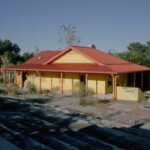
[(33, 78), (120, 82), (72, 57), (129, 93), (69, 81), (18, 80), (49, 80), (97, 83)]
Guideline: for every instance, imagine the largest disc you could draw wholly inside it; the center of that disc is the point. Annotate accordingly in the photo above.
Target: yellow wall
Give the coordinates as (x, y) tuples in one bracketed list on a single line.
[(129, 93), (51, 80), (18, 79), (69, 81), (72, 57), (120, 82), (97, 83), (48, 80)]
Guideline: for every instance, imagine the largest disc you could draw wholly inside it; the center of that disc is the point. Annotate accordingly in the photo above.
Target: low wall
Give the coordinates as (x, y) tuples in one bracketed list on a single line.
[(130, 93)]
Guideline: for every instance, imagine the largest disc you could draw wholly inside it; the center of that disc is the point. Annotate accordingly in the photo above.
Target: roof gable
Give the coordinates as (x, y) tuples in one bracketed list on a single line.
[(72, 56), (92, 54)]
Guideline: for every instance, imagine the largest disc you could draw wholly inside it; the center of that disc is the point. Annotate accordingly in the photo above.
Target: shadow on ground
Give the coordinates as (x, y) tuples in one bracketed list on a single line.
[(29, 124)]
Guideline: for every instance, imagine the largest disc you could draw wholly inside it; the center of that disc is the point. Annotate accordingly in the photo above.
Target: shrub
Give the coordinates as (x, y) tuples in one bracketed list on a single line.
[(54, 91), (82, 93), (31, 88), (12, 90)]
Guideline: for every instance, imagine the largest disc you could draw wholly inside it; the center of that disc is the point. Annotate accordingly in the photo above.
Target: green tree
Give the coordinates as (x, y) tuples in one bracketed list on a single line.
[(137, 53), (9, 53), (68, 35), (27, 56)]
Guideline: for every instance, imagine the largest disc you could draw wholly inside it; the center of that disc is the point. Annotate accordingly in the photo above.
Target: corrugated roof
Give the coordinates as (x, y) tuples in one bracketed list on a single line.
[(93, 54), (127, 68), (104, 63), (61, 67), (42, 57)]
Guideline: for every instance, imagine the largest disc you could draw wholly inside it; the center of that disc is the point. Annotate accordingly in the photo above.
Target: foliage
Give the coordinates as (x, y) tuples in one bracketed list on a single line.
[(82, 93), (12, 90), (27, 56), (137, 53), (31, 88), (53, 91), (9, 52), (68, 35)]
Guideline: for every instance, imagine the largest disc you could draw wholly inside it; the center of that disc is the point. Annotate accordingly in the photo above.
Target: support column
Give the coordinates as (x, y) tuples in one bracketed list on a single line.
[(115, 86), (21, 80), (4, 76), (142, 80), (125, 80), (40, 85), (61, 83), (16, 77), (134, 79), (86, 81)]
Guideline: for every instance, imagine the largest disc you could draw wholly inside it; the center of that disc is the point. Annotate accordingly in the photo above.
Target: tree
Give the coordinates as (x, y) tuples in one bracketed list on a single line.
[(27, 56), (137, 53), (9, 53), (68, 35)]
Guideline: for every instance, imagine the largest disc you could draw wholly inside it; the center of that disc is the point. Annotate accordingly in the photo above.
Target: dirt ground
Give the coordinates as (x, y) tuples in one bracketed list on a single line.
[(42, 122)]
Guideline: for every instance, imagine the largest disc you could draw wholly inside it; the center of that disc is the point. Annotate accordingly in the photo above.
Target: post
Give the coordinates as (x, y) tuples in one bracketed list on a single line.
[(61, 83), (142, 80), (125, 80), (40, 82), (16, 77), (115, 86), (4, 75), (86, 81), (21, 82), (134, 79)]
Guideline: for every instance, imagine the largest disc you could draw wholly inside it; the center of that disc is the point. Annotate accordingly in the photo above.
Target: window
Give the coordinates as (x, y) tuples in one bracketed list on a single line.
[(109, 81)]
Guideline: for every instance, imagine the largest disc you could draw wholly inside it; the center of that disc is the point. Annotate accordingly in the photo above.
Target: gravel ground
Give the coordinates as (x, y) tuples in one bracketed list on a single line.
[(61, 123)]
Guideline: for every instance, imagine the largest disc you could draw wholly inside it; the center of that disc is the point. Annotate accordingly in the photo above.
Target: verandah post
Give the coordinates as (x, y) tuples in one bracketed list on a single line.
[(4, 76), (134, 79), (61, 83), (142, 80), (40, 81), (21, 80), (86, 82), (115, 86)]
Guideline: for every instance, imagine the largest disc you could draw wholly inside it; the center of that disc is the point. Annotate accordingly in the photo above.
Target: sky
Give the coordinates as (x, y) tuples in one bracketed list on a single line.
[(109, 24)]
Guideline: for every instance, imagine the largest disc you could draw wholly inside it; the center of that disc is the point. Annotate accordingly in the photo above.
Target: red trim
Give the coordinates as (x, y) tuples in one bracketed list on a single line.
[(67, 71)]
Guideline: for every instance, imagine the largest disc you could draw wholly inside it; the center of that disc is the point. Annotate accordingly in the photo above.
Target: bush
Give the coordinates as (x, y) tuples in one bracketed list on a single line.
[(53, 91), (31, 88), (82, 93), (12, 90)]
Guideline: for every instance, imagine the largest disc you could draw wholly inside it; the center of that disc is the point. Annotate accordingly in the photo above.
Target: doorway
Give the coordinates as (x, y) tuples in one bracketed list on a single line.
[(82, 79)]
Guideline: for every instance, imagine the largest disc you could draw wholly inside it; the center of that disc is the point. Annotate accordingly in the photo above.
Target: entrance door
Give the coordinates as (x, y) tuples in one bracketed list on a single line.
[(82, 79)]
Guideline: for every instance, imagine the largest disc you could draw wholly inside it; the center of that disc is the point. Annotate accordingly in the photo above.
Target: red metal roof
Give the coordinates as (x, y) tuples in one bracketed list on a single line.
[(42, 57), (103, 62), (61, 67), (93, 54), (127, 68)]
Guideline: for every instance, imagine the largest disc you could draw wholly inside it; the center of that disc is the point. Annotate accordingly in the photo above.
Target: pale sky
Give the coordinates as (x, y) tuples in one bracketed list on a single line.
[(109, 24)]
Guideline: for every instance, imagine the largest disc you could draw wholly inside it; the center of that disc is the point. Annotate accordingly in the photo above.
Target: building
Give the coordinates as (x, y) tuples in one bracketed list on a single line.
[(63, 69)]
